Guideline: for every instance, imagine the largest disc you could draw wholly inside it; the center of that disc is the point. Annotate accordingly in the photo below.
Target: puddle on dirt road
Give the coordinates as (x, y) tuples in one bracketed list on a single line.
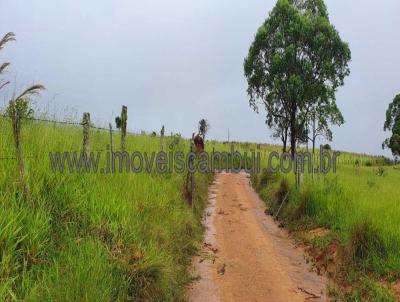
[(204, 288)]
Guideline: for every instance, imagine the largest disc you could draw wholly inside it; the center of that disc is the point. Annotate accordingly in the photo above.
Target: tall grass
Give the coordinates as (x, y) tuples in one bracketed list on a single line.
[(359, 204), (92, 237), (118, 237)]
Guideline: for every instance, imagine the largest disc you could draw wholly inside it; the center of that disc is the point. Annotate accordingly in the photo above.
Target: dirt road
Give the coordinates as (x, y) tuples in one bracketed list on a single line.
[(246, 256)]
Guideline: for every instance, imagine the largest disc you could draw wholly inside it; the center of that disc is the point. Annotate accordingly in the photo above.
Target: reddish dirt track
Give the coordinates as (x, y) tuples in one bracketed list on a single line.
[(246, 256)]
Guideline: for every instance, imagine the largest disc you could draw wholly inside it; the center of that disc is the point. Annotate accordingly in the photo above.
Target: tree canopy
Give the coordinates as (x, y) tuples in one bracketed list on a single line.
[(315, 7), (204, 126), (295, 63), (118, 122), (392, 124)]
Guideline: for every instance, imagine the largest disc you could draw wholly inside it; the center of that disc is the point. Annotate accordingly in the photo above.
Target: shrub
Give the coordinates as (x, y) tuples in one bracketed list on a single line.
[(283, 190), (370, 183), (327, 147), (175, 140), (280, 194), (304, 207), (366, 241), (266, 178), (380, 172)]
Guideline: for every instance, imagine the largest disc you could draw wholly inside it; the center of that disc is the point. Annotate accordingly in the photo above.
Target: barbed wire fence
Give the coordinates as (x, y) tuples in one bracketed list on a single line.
[(17, 120), (86, 136)]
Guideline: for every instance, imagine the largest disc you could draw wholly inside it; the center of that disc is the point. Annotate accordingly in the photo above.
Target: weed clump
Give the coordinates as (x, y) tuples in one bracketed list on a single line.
[(380, 171), (304, 207), (283, 190), (266, 178), (366, 241), (279, 196)]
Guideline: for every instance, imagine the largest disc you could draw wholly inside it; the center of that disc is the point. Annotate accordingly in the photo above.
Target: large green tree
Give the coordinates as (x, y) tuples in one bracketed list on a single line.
[(392, 124), (297, 61)]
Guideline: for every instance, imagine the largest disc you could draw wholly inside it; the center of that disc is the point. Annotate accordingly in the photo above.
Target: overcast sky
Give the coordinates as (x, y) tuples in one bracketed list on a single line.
[(175, 62)]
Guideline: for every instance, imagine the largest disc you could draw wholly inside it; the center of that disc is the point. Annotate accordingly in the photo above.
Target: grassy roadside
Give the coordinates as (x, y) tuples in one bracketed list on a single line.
[(347, 222), (93, 237)]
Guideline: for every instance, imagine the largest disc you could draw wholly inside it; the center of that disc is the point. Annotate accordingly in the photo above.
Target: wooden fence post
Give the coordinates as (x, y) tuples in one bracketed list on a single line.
[(312, 166), (192, 183), (111, 140), (189, 185), (162, 137), (16, 126), (86, 131), (124, 119), (191, 179)]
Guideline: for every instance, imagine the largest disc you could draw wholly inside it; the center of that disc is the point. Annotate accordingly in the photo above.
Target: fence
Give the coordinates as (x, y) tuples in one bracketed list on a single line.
[(86, 139), (17, 120)]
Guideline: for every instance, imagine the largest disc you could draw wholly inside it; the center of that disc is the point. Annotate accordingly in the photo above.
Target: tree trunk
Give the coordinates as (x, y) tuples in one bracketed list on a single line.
[(284, 140), (313, 145), (293, 135), (16, 123), (293, 139), (293, 130), (124, 118), (314, 136)]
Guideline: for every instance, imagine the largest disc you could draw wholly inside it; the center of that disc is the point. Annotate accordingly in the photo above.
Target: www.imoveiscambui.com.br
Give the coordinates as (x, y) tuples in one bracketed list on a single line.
[(179, 162)]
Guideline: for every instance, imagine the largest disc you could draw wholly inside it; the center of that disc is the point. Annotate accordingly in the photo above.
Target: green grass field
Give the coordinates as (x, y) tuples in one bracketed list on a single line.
[(359, 204), (118, 237), (93, 237)]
